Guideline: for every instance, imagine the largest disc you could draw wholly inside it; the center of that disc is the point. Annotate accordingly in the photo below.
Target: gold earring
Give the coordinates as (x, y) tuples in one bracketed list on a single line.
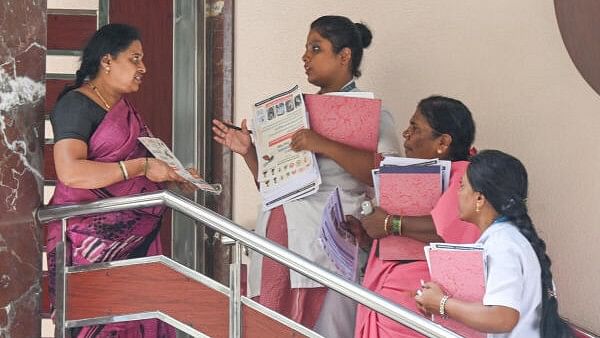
[(439, 151), (477, 208), (107, 70)]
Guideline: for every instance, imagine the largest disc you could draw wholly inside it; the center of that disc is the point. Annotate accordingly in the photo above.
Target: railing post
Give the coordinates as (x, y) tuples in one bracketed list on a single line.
[(235, 311), (60, 301)]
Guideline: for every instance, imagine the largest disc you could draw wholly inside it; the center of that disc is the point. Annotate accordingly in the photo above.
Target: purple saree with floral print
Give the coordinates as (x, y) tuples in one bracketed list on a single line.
[(116, 235)]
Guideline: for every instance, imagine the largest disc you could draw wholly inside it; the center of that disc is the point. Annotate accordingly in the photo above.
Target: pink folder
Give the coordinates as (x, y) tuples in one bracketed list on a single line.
[(461, 275), (407, 191), (349, 120)]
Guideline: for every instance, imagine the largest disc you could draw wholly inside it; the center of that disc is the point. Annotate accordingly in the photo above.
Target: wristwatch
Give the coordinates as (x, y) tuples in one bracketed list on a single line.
[(366, 208)]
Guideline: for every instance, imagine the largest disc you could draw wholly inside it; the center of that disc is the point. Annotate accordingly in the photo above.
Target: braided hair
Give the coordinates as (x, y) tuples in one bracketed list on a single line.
[(343, 33), (502, 179), (110, 39)]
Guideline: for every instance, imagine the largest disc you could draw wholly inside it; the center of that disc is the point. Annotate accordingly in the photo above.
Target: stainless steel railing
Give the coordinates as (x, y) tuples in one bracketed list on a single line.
[(257, 243)]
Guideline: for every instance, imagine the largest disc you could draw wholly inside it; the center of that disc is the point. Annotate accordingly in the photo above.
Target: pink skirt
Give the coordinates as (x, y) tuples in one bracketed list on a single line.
[(397, 282), (303, 305)]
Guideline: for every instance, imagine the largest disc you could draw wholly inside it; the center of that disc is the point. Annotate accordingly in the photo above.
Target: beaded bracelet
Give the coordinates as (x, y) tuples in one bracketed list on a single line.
[(443, 306)]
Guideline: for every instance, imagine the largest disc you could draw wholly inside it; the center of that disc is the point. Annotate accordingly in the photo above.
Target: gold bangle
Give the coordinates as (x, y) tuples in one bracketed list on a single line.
[(386, 224), (124, 170)]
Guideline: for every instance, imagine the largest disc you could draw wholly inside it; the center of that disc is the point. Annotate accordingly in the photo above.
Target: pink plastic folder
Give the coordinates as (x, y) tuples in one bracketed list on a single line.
[(407, 191), (349, 120), (461, 275)]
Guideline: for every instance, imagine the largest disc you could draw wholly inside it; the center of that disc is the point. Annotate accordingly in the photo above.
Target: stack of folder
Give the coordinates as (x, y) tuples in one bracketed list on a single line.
[(408, 187), (459, 269)]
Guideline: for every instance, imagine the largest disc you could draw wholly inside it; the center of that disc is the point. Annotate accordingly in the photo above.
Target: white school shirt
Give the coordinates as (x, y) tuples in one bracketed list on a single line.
[(513, 277), (304, 215)]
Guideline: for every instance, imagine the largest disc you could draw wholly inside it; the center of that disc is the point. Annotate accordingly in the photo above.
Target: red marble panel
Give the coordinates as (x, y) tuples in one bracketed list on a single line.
[(29, 64), (147, 287), (70, 31), (22, 55)]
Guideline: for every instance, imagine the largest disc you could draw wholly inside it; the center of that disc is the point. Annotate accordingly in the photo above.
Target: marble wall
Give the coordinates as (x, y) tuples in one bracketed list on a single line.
[(22, 90)]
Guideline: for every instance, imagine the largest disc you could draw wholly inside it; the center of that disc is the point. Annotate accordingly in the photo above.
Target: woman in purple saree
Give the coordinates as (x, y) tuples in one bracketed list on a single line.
[(97, 155)]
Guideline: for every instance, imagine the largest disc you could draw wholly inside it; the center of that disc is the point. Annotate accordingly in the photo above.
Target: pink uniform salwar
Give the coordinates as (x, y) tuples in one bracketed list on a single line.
[(302, 305), (398, 281)]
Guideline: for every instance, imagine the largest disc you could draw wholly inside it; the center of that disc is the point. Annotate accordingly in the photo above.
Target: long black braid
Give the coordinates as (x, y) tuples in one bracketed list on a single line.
[(502, 179), (110, 39)]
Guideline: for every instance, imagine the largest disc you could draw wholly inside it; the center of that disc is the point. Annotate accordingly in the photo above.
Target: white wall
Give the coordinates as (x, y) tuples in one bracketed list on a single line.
[(504, 59)]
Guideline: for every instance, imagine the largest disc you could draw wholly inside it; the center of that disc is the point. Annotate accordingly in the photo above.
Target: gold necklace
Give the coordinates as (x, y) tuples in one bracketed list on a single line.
[(95, 89)]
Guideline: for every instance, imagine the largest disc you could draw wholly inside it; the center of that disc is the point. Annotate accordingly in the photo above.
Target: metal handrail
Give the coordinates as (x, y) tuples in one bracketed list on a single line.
[(254, 242)]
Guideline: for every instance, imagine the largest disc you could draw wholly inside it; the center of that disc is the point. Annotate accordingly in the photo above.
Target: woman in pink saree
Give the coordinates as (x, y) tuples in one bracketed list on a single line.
[(97, 155), (440, 128)]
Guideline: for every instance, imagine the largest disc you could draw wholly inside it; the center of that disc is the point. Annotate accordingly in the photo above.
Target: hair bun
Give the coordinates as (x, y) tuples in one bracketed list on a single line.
[(365, 34)]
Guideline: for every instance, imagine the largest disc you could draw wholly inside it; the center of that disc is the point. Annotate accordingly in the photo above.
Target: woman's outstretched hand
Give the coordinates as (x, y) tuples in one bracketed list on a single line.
[(238, 141), (160, 171), (187, 187)]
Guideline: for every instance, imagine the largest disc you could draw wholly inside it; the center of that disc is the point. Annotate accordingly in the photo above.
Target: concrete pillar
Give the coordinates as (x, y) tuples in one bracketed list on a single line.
[(22, 90)]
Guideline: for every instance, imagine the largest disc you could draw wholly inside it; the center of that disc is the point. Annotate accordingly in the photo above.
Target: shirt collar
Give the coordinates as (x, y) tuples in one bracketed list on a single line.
[(350, 86), (494, 227)]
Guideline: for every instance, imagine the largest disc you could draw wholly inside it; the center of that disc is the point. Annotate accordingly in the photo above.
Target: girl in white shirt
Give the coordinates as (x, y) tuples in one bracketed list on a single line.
[(333, 53), (519, 300)]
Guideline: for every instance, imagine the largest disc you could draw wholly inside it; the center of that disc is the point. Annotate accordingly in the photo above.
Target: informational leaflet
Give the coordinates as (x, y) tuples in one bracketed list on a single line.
[(337, 240), (160, 151), (283, 174)]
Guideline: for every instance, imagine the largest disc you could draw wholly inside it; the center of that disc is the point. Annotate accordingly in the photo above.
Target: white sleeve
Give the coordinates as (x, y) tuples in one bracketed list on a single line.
[(388, 139), (505, 278)]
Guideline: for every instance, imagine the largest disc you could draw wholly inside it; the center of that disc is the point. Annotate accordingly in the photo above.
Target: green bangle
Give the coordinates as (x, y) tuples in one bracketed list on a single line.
[(396, 225)]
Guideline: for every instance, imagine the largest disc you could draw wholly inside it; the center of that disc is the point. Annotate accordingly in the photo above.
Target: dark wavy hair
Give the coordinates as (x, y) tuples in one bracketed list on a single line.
[(502, 179), (450, 116), (110, 39), (342, 33)]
